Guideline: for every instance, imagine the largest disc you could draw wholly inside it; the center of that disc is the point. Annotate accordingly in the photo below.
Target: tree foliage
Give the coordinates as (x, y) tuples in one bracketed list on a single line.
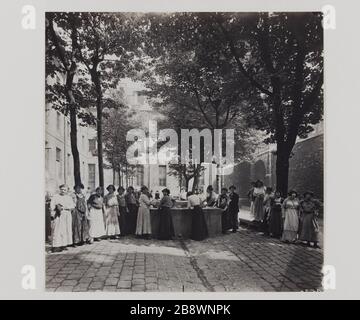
[(264, 69)]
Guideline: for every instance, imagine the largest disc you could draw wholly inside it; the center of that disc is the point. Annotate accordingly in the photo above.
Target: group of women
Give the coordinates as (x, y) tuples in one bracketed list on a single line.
[(76, 221), (291, 219)]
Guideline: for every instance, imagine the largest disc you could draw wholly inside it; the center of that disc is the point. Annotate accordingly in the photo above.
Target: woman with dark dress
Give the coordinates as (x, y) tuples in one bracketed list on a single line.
[(222, 203), (211, 197), (275, 219), (122, 210), (199, 229), (309, 228), (132, 204), (80, 223), (233, 208), (166, 228)]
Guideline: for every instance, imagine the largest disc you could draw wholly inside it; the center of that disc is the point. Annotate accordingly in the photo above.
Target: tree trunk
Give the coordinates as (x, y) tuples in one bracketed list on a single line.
[(74, 148), (187, 185), (282, 170), (99, 141), (196, 177), (96, 80)]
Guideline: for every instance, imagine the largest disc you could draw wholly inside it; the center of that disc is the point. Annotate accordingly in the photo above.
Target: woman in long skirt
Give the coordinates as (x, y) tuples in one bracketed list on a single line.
[(143, 224), (80, 223), (223, 203), (309, 229), (112, 228), (259, 194), (96, 215), (132, 205), (123, 210), (61, 206), (251, 198), (290, 213), (269, 196), (166, 228), (199, 229), (275, 219)]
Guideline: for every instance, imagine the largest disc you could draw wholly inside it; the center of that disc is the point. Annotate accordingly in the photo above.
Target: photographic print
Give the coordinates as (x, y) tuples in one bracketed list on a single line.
[(184, 151)]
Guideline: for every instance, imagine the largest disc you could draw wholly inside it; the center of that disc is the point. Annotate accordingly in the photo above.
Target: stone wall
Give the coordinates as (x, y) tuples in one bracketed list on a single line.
[(306, 169), (307, 166)]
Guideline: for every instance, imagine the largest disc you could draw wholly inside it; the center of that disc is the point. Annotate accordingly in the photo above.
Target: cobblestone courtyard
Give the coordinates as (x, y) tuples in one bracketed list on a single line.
[(244, 261)]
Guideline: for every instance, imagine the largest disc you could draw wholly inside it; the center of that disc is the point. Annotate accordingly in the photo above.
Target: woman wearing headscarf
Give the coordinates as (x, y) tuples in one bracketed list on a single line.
[(290, 214), (132, 205), (309, 229), (112, 228), (166, 228), (96, 215), (80, 223), (143, 224), (199, 229), (61, 206)]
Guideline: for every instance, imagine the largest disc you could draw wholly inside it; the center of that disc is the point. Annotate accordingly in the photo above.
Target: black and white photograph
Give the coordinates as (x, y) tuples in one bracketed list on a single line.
[(184, 151)]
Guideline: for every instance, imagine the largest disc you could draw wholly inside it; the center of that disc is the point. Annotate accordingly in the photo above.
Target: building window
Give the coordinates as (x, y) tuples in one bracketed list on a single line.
[(92, 145), (162, 175), (58, 163), (58, 154), (68, 129), (202, 178), (58, 122), (116, 178), (140, 175), (91, 176), (83, 142), (47, 156), (47, 116), (82, 171), (211, 175)]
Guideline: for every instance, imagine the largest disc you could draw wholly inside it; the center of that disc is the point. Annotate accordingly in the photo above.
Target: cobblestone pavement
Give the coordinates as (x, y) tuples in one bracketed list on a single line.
[(243, 261)]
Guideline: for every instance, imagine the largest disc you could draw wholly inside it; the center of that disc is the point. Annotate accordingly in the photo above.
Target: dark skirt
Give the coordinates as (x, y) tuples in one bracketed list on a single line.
[(275, 222), (225, 221), (122, 221), (80, 227), (131, 218), (309, 228), (166, 228), (47, 222), (199, 229), (233, 217)]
